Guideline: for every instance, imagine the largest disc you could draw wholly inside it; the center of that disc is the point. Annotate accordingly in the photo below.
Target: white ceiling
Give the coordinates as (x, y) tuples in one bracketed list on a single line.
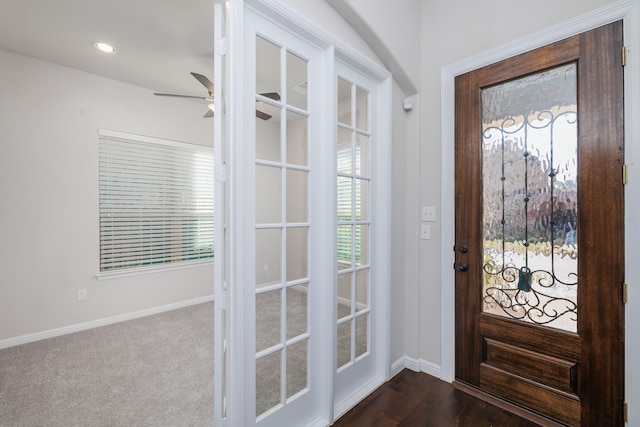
[(158, 41)]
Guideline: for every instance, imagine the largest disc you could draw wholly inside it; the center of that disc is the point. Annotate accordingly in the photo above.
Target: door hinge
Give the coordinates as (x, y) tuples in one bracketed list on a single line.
[(625, 293), (625, 410), (624, 56), (221, 46), (220, 300), (624, 174), (221, 172)]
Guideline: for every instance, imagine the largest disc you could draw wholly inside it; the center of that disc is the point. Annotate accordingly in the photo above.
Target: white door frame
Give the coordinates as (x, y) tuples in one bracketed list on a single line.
[(220, 315), (629, 11), (239, 382)]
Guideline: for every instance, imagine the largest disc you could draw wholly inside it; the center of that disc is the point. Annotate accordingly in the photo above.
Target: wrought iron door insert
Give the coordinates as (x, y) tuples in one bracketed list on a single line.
[(529, 158)]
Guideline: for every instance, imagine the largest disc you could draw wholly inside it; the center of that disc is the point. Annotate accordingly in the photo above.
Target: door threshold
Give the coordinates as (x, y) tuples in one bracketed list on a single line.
[(507, 406)]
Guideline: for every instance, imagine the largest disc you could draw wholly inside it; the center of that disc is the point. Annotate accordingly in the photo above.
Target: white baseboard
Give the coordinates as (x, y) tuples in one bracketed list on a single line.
[(24, 339), (416, 365), (356, 397), (320, 422)]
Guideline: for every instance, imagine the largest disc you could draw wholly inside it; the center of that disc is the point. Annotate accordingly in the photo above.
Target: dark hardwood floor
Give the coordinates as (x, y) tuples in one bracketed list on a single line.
[(415, 399)]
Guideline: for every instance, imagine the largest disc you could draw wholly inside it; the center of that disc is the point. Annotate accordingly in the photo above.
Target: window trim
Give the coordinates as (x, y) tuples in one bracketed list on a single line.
[(129, 272)]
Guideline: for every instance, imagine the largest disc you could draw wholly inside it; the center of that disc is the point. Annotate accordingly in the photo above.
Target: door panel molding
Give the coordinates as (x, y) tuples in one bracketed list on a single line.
[(557, 372), (497, 380), (507, 406)]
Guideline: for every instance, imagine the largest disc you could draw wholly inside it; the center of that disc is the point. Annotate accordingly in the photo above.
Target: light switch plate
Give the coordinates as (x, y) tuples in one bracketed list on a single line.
[(425, 232)]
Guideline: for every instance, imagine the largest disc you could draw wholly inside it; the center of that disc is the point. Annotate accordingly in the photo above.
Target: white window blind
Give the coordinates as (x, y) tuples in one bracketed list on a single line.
[(346, 205), (156, 202)]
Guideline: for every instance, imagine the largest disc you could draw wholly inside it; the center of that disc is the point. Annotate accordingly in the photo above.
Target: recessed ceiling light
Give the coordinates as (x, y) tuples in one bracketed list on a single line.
[(104, 47)]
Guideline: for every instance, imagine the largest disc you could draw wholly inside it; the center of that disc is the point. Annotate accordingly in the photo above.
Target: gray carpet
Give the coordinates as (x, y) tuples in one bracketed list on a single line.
[(153, 371)]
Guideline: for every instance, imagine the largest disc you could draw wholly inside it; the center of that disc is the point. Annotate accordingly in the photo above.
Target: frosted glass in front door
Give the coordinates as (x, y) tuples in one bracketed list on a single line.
[(530, 193)]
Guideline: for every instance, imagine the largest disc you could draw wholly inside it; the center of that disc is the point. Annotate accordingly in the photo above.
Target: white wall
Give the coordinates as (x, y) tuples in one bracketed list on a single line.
[(323, 16), (392, 32), (49, 117), (404, 241)]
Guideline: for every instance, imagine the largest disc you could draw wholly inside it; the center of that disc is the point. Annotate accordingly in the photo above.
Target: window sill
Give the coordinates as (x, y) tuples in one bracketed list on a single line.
[(149, 270)]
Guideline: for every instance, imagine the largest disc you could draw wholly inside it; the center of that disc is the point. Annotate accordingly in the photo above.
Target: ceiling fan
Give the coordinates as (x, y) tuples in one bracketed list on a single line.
[(209, 86)]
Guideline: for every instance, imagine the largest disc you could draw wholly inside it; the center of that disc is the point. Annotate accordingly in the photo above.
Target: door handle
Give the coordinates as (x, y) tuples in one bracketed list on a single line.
[(463, 267)]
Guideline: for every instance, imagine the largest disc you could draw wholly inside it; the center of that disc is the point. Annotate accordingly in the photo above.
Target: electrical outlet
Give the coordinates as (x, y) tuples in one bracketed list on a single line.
[(82, 294)]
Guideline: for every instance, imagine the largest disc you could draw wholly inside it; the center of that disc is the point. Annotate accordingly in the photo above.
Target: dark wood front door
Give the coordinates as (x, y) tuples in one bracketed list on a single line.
[(540, 228)]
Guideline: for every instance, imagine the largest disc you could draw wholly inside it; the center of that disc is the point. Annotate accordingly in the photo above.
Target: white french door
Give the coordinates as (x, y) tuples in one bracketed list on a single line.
[(283, 283), (362, 196), (309, 232)]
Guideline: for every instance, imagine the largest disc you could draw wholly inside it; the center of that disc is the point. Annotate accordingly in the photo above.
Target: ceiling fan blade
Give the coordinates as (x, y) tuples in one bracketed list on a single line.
[(262, 115), (205, 82), (273, 95), (209, 114), (182, 96)]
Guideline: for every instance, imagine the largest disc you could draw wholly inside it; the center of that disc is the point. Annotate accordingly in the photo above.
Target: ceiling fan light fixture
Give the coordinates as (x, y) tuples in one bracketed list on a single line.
[(104, 47)]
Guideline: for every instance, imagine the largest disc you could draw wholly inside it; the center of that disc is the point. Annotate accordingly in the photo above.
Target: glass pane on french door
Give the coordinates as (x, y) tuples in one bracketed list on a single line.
[(353, 223), (282, 228)]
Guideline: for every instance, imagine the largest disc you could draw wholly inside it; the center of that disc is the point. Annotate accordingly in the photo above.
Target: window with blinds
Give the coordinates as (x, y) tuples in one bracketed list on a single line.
[(156, 202)]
